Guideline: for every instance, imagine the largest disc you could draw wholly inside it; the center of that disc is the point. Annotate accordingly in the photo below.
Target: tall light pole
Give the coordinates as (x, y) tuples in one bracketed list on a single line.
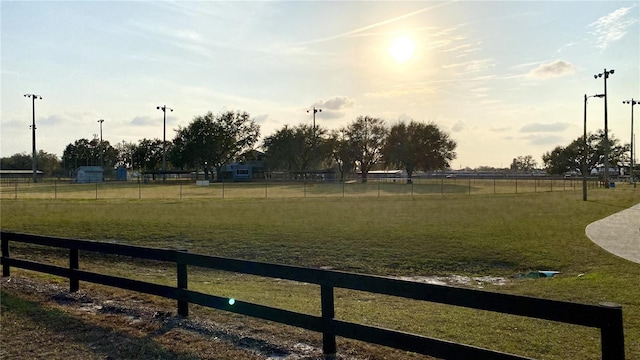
[(33, 135), (313, 144), (605, 74), (632, 102), (315, 110), (100, 149), (164, 135), (585, 153)]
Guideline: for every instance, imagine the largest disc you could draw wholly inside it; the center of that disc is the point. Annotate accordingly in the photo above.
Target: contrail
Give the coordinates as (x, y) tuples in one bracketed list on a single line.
[(368, 27)]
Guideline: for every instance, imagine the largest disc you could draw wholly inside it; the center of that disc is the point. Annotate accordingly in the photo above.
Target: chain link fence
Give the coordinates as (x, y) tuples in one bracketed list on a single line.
[(386, 187)]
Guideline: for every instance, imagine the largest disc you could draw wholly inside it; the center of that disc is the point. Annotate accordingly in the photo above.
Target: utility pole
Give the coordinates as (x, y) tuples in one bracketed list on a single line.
[(585, 152), (164, 138), (100, 147), (33, 135), (632, 102), (313, 143), (605, 74)]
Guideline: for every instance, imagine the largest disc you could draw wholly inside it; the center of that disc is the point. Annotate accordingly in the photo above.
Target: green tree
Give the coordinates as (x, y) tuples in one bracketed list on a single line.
[(49, 164), (20, 161), (125, 154), (147, 155), (418, 146), (524, 164), (564, 159), (297, 148), (214, 140), (367, 136), (343, 153), (84, 152)]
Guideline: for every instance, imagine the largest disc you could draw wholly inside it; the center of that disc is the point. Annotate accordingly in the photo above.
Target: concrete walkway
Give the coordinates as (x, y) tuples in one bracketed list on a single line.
[(619, 233)]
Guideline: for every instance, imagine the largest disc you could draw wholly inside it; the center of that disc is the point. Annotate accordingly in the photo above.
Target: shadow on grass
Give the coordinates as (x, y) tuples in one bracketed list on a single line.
[(115, 344), (103, 341)]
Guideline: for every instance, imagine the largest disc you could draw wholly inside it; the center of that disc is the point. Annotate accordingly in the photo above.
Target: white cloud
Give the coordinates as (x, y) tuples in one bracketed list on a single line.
[(144, 121), (338, 103), (540, 139), (458, 126), (335, 107), (553, 69), (263, 119), (404, 118), (612, 27), (538, 127), (472, 65)]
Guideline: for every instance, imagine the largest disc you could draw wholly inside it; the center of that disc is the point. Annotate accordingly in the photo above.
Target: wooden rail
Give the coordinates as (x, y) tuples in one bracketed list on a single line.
[(607, 317)]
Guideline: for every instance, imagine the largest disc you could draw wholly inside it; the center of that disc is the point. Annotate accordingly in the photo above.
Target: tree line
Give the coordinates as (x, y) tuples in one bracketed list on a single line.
[(569, 159), (211, 141)]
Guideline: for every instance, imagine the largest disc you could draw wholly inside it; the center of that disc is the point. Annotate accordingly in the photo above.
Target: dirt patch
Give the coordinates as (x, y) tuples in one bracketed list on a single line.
[(46, 321), (113, 328), (478, 282)]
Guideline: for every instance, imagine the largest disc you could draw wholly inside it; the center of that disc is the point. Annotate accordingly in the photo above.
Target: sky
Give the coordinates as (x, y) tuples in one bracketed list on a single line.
[(502, 78)]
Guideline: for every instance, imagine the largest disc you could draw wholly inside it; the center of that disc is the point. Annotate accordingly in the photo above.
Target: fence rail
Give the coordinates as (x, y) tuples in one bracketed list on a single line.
[(607, 317), (289, 189)]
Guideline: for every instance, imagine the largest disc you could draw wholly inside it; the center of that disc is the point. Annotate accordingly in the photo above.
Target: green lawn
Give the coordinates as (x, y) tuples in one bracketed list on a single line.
[(492, 234)]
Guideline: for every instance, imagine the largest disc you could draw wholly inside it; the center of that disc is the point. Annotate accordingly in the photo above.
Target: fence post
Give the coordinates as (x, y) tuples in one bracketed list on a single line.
[(329, 348), (74, 264), (96, 190), (16, 191), (612, 333), (6, 270), (55, 190), (183, 304)]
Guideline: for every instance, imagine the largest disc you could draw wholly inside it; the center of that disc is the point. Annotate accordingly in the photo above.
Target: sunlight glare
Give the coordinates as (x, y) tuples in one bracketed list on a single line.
[(402, 48)]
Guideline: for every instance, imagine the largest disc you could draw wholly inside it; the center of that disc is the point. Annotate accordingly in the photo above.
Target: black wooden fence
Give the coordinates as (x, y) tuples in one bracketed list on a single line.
[(607, 317)]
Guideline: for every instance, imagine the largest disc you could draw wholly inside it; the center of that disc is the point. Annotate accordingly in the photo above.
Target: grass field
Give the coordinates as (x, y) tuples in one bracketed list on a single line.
[(487, 234)]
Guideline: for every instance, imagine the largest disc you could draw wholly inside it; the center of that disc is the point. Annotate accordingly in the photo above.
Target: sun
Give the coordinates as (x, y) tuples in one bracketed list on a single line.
[(402, 49)]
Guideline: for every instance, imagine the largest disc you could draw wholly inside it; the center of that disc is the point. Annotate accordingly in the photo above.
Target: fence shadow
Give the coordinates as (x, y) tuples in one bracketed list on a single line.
[(116, 344)]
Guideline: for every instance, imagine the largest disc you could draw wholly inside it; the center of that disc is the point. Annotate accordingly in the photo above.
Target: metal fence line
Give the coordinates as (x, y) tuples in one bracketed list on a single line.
[(58, 190)]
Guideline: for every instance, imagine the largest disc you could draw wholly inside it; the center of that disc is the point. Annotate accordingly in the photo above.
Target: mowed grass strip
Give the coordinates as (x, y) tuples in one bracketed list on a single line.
[(500, 235)]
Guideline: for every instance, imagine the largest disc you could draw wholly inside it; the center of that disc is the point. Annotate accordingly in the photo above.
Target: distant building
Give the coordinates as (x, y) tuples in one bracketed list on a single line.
[(238, 172), (121, 174), (89, 174), (385, 174), (13, 175)]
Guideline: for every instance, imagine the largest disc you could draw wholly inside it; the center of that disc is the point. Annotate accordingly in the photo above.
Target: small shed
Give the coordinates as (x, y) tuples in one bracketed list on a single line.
[(89, 174), (121, 173)]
